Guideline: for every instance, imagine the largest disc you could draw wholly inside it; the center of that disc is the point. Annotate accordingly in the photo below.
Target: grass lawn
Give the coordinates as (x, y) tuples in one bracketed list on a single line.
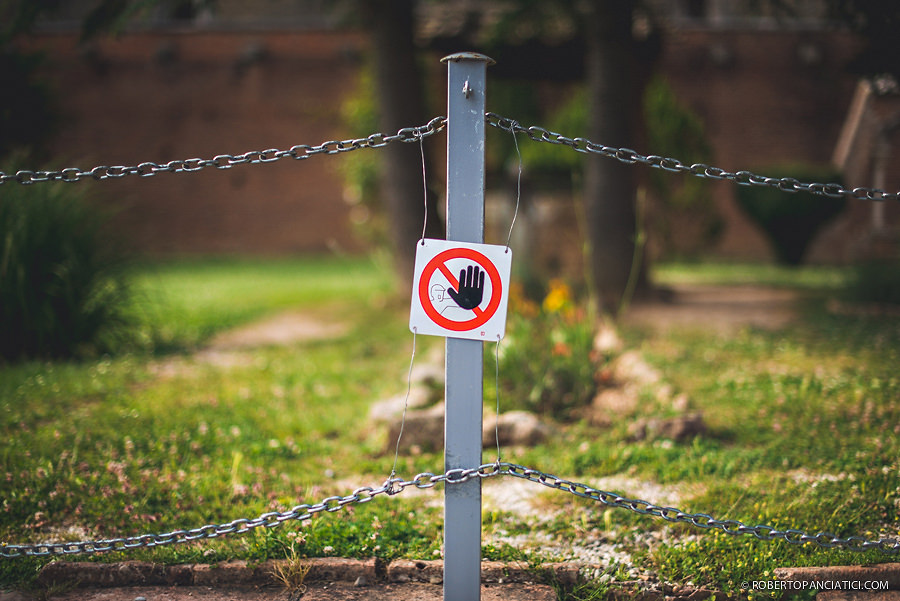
[(804, 431)]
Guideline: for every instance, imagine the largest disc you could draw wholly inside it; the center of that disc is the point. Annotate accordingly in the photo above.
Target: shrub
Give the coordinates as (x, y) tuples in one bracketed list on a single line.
[(790, 221), (683, 219), (875, 282), (63, 289)]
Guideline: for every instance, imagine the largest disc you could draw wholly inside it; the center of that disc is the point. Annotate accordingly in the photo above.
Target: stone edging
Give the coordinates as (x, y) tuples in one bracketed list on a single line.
[(373, 571), (140, 573), (359, 571)]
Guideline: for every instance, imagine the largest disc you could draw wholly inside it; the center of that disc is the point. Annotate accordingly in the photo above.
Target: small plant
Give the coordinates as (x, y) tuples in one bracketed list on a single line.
[(63, 288), (546, 360), (291, 573)]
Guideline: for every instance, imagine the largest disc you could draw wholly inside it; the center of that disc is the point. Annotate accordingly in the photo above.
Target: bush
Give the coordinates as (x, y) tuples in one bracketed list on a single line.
[(791, 221), (683, 220), (63, 289), (875, 282)]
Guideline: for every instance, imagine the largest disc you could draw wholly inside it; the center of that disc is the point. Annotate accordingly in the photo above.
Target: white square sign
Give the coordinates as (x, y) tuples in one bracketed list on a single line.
[(460, 290)]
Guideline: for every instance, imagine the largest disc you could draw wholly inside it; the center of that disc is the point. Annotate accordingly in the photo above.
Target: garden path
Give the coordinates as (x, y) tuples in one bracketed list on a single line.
[(278, 330), (724, 309)]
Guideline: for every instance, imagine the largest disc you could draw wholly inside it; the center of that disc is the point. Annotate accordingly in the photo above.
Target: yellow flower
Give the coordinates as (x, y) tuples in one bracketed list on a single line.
[(558, 298)]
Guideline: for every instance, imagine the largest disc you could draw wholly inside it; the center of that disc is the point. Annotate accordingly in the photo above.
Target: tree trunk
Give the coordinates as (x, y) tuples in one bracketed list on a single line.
[(609, 186), (400, 104)]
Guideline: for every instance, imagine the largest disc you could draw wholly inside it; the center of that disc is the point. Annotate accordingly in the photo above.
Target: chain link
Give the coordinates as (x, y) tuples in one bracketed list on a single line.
[(437, 124), (243, 525), (701, 520), (226, 161), (744, 178), (426, 480)]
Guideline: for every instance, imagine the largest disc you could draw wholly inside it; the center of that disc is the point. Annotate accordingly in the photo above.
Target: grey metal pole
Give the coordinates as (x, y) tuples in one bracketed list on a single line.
[(463, 388)]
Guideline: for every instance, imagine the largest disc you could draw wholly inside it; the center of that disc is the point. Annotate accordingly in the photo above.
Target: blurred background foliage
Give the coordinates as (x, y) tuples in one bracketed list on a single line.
[(64, 283), (791, 221)]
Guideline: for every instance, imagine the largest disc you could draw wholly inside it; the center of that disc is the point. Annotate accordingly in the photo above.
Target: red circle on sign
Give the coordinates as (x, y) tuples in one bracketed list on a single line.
[(434, 264)]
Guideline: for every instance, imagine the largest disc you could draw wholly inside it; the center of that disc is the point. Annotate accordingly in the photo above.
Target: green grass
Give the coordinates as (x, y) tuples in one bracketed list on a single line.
[(183, 303), (810, 277), (802, 433)]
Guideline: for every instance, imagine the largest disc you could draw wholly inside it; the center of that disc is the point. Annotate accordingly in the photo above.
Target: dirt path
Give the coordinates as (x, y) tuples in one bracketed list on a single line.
[(234, 347), (278, 330), (724, 309)]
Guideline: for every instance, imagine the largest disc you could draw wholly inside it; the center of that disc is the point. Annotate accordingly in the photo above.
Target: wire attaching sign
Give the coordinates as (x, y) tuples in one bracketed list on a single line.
[(460, 290)]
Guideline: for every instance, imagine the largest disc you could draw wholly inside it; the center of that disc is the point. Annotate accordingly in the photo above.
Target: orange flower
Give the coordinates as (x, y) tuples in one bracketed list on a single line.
[(519, 303), (561, 349)]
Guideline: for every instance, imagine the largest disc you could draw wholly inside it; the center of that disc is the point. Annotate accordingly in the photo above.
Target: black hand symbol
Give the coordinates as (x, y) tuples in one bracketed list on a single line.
[(471, 288)]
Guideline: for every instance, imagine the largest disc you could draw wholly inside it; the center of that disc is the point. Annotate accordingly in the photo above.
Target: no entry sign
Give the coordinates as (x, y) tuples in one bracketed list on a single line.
[(460, 290)]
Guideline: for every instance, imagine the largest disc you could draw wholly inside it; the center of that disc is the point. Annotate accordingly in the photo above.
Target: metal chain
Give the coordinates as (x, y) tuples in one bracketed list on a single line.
[(392, 486), (227, 161), (701, 520), (424, 480), (437, 124), (744, 178)]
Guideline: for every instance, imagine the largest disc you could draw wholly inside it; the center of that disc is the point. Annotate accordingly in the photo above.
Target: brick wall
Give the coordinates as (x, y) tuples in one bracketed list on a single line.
[(766, 97), (163, 96)]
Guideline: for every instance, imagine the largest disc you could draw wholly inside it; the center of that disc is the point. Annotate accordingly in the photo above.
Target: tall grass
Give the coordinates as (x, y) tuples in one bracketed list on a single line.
[(63, 284)]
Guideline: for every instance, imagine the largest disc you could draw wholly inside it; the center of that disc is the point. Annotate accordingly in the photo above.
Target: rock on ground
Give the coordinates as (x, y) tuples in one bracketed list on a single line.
[(514, 428), (678, 429)]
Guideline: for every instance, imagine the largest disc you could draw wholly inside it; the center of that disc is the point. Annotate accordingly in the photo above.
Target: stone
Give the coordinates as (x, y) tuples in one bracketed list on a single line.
[(858, 596), (229, 572), (492, 572), (390, 409), (87, 573), (882, 572), (681, 402), (514, 428), (404, 570), (423, 430), (180, 574), (428, 374), (611, 404), (630, 368), (501, 572), (678, 429), (607, 340), (342, 569)]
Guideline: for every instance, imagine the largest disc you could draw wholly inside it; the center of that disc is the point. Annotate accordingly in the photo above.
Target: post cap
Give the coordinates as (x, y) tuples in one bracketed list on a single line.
[(468, 56)]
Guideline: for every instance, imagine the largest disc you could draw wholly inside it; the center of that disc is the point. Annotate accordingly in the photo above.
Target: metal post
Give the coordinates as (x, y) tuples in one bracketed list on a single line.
[(463, 387)]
